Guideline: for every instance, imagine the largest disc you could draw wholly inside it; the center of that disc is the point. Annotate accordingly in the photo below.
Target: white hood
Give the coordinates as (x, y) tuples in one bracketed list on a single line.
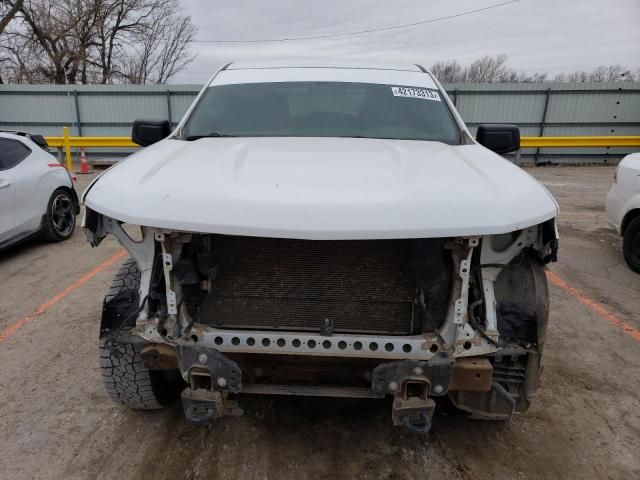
[(321, 188)]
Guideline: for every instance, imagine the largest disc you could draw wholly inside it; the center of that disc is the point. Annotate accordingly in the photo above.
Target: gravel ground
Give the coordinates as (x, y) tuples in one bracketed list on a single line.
[(56, 421)]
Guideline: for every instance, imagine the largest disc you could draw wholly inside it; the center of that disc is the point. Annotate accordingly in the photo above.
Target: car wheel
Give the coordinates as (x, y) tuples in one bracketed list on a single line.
[(125, 377), (631, 244), (60, 219)]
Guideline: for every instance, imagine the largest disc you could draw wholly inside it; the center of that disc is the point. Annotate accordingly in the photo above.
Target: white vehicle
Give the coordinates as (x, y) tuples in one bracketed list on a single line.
[(623, 207), (36, 191), (330, 230)]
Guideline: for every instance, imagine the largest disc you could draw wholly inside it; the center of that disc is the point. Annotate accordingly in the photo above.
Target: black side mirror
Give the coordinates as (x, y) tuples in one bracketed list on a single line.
[(146, 132), (499, 138)]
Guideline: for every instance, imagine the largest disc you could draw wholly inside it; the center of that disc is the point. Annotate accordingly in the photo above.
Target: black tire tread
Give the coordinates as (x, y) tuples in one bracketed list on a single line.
[(125, 377), (630, 233)]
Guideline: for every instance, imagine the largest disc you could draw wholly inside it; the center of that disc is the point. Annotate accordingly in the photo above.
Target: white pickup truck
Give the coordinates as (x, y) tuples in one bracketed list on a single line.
[(330, 230)]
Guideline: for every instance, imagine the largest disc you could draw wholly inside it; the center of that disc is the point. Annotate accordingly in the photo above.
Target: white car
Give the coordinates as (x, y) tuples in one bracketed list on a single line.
[(623, 207), (37, 196), (325, 229)]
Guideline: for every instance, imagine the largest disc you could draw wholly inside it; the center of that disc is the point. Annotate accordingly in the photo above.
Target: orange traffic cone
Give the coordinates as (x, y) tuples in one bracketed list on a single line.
[(84, 163)]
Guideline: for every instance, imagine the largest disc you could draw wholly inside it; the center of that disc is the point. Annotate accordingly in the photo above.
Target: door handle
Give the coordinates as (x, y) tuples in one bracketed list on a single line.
[(4, 183)]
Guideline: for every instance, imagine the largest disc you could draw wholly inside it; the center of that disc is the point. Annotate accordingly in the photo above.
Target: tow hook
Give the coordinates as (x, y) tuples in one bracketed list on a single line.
[(412, 383), (203, 406), (414, 413)]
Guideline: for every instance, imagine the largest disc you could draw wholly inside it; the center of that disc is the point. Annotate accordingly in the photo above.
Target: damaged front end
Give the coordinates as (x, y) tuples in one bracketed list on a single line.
[(428, 321)]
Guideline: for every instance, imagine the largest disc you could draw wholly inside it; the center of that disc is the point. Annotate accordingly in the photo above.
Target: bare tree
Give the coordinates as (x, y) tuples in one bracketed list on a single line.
[(491, 69), (600, 74), (448, 72), (611, 73), (576, 77), (96, 41), (515, 76), (118, 23), (487, 69), (8, 10), (50, 41), (163, 51), (20, 62), (44, 29), (142, 40)]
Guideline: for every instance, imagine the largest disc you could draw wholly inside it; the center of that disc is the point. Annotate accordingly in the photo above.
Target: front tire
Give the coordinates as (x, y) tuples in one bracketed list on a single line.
[(125, 377), (60, 218), (631, 244)]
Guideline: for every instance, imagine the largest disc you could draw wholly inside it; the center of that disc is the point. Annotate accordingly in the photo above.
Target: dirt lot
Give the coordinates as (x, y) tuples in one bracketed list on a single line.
[(57, 423)]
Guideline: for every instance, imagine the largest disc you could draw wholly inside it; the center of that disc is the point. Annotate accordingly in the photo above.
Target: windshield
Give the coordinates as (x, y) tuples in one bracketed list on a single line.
[(322, 109)]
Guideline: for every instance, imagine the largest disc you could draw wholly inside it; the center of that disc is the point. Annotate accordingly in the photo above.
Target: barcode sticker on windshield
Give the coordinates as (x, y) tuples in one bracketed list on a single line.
[(415, 93)]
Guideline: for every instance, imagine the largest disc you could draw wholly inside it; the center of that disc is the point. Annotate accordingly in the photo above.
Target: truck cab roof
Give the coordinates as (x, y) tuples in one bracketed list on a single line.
[(322, 63)]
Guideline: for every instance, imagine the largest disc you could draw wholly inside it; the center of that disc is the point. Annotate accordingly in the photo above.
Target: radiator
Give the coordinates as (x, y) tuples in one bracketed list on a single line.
[(282, 284)]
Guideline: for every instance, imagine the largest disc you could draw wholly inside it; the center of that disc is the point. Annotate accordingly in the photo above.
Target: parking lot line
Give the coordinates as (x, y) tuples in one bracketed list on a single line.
[(595, 306), (17, 325)]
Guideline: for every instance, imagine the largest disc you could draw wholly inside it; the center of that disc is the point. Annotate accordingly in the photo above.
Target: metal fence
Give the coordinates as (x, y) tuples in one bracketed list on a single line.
[(545, 109)]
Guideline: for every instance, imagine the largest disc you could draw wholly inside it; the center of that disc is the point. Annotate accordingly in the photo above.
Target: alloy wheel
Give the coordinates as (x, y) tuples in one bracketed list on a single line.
[(62, 215)]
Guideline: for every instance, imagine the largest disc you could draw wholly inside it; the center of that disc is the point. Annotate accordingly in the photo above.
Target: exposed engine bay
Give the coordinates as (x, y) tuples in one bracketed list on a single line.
[(428, 321)]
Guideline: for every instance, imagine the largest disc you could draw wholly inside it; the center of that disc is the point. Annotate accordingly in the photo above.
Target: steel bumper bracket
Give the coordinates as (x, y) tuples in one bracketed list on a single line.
[(392, 377), (210, 377), (197, 363)]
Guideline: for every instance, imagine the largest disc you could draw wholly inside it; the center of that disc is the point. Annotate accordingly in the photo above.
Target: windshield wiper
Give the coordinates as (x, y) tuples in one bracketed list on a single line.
[(208, 135)]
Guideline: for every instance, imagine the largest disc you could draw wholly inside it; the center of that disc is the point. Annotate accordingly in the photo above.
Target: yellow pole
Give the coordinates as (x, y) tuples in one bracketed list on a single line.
[(67, 147)]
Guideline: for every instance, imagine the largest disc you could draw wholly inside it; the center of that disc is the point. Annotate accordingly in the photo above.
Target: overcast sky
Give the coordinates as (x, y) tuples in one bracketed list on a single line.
[(538, 35)]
